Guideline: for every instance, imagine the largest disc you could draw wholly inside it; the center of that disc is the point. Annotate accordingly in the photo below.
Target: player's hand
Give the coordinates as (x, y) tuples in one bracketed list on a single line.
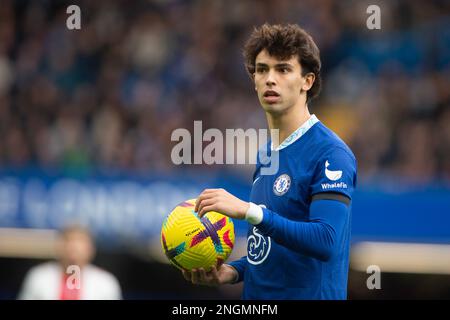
[(225, 274), (221, 201)]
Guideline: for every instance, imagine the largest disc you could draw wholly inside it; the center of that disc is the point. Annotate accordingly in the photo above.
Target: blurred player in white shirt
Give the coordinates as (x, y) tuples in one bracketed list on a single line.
[(58, 280)]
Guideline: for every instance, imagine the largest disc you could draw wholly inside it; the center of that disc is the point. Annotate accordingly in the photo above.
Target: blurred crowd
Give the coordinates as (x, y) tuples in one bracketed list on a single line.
[(108, 96)]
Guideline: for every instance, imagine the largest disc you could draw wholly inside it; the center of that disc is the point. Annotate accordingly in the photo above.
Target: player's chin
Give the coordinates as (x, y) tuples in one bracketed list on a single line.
[(273, 108)]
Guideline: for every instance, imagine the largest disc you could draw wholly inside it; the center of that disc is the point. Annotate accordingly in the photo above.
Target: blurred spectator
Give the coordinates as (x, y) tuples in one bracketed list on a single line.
[(57, 281), (107, 97)]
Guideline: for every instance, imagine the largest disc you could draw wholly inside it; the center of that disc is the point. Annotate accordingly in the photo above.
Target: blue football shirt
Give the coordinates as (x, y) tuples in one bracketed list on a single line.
[(312, 161)]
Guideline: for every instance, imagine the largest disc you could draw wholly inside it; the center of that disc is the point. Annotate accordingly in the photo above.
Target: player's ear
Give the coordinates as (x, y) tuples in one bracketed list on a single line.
[(309, 81)]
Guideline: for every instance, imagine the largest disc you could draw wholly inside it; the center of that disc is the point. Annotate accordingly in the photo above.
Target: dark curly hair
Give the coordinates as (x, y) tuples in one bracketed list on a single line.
[(283, 42)]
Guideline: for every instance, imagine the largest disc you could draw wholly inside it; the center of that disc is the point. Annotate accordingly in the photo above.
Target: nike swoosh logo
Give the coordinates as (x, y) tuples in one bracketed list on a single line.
[(332, 175)]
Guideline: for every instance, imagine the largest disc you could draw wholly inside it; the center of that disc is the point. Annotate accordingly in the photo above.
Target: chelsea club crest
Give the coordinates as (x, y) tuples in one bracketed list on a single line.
[(281, 184)]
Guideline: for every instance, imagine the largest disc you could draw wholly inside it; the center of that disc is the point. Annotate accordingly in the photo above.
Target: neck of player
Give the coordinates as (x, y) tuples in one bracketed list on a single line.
[(288, 121)]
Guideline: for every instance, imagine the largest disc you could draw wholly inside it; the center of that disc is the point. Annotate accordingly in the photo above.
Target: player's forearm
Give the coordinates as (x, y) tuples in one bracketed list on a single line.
[(317, 238), (313, 239)]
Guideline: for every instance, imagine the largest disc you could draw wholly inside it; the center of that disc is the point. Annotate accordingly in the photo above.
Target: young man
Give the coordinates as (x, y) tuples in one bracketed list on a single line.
[(299, 218)]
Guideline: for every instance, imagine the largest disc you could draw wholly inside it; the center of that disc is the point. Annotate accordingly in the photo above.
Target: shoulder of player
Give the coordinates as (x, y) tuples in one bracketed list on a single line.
[(331, 150), (328, 142), (50, 266), (93, 270), (323, 147), (337, 150), (43, 271)]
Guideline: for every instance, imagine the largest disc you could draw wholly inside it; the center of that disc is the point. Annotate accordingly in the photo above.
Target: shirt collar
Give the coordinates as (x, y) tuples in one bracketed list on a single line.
[(297, 134)]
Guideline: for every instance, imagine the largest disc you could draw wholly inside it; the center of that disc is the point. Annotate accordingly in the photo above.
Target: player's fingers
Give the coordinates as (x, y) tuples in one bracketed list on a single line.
[(214, 274), (206, 191), (206, 209), (198, 201), (202, 275), (205, 203), (186, 274), (194, 276), (203, 196)]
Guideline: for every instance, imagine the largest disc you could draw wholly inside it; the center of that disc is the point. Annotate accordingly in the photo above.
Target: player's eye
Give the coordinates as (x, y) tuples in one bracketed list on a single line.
[(284, 70), (261, 70)]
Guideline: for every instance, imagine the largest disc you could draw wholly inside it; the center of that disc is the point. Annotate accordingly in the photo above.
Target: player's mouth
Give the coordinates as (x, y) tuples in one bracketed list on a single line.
[(271, 96)]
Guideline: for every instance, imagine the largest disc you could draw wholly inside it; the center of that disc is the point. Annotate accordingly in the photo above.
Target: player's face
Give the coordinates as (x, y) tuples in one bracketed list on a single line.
[(76, 248), (279, 83)]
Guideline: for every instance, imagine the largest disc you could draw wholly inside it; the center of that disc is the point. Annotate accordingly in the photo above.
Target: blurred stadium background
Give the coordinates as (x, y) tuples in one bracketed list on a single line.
[(86, 117)]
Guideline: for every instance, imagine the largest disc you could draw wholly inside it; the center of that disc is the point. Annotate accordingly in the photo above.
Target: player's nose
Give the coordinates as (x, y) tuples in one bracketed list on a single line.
[(270, 80)]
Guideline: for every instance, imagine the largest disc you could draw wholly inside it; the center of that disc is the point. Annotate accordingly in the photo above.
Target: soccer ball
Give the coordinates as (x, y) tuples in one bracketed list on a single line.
[(190, 242)]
